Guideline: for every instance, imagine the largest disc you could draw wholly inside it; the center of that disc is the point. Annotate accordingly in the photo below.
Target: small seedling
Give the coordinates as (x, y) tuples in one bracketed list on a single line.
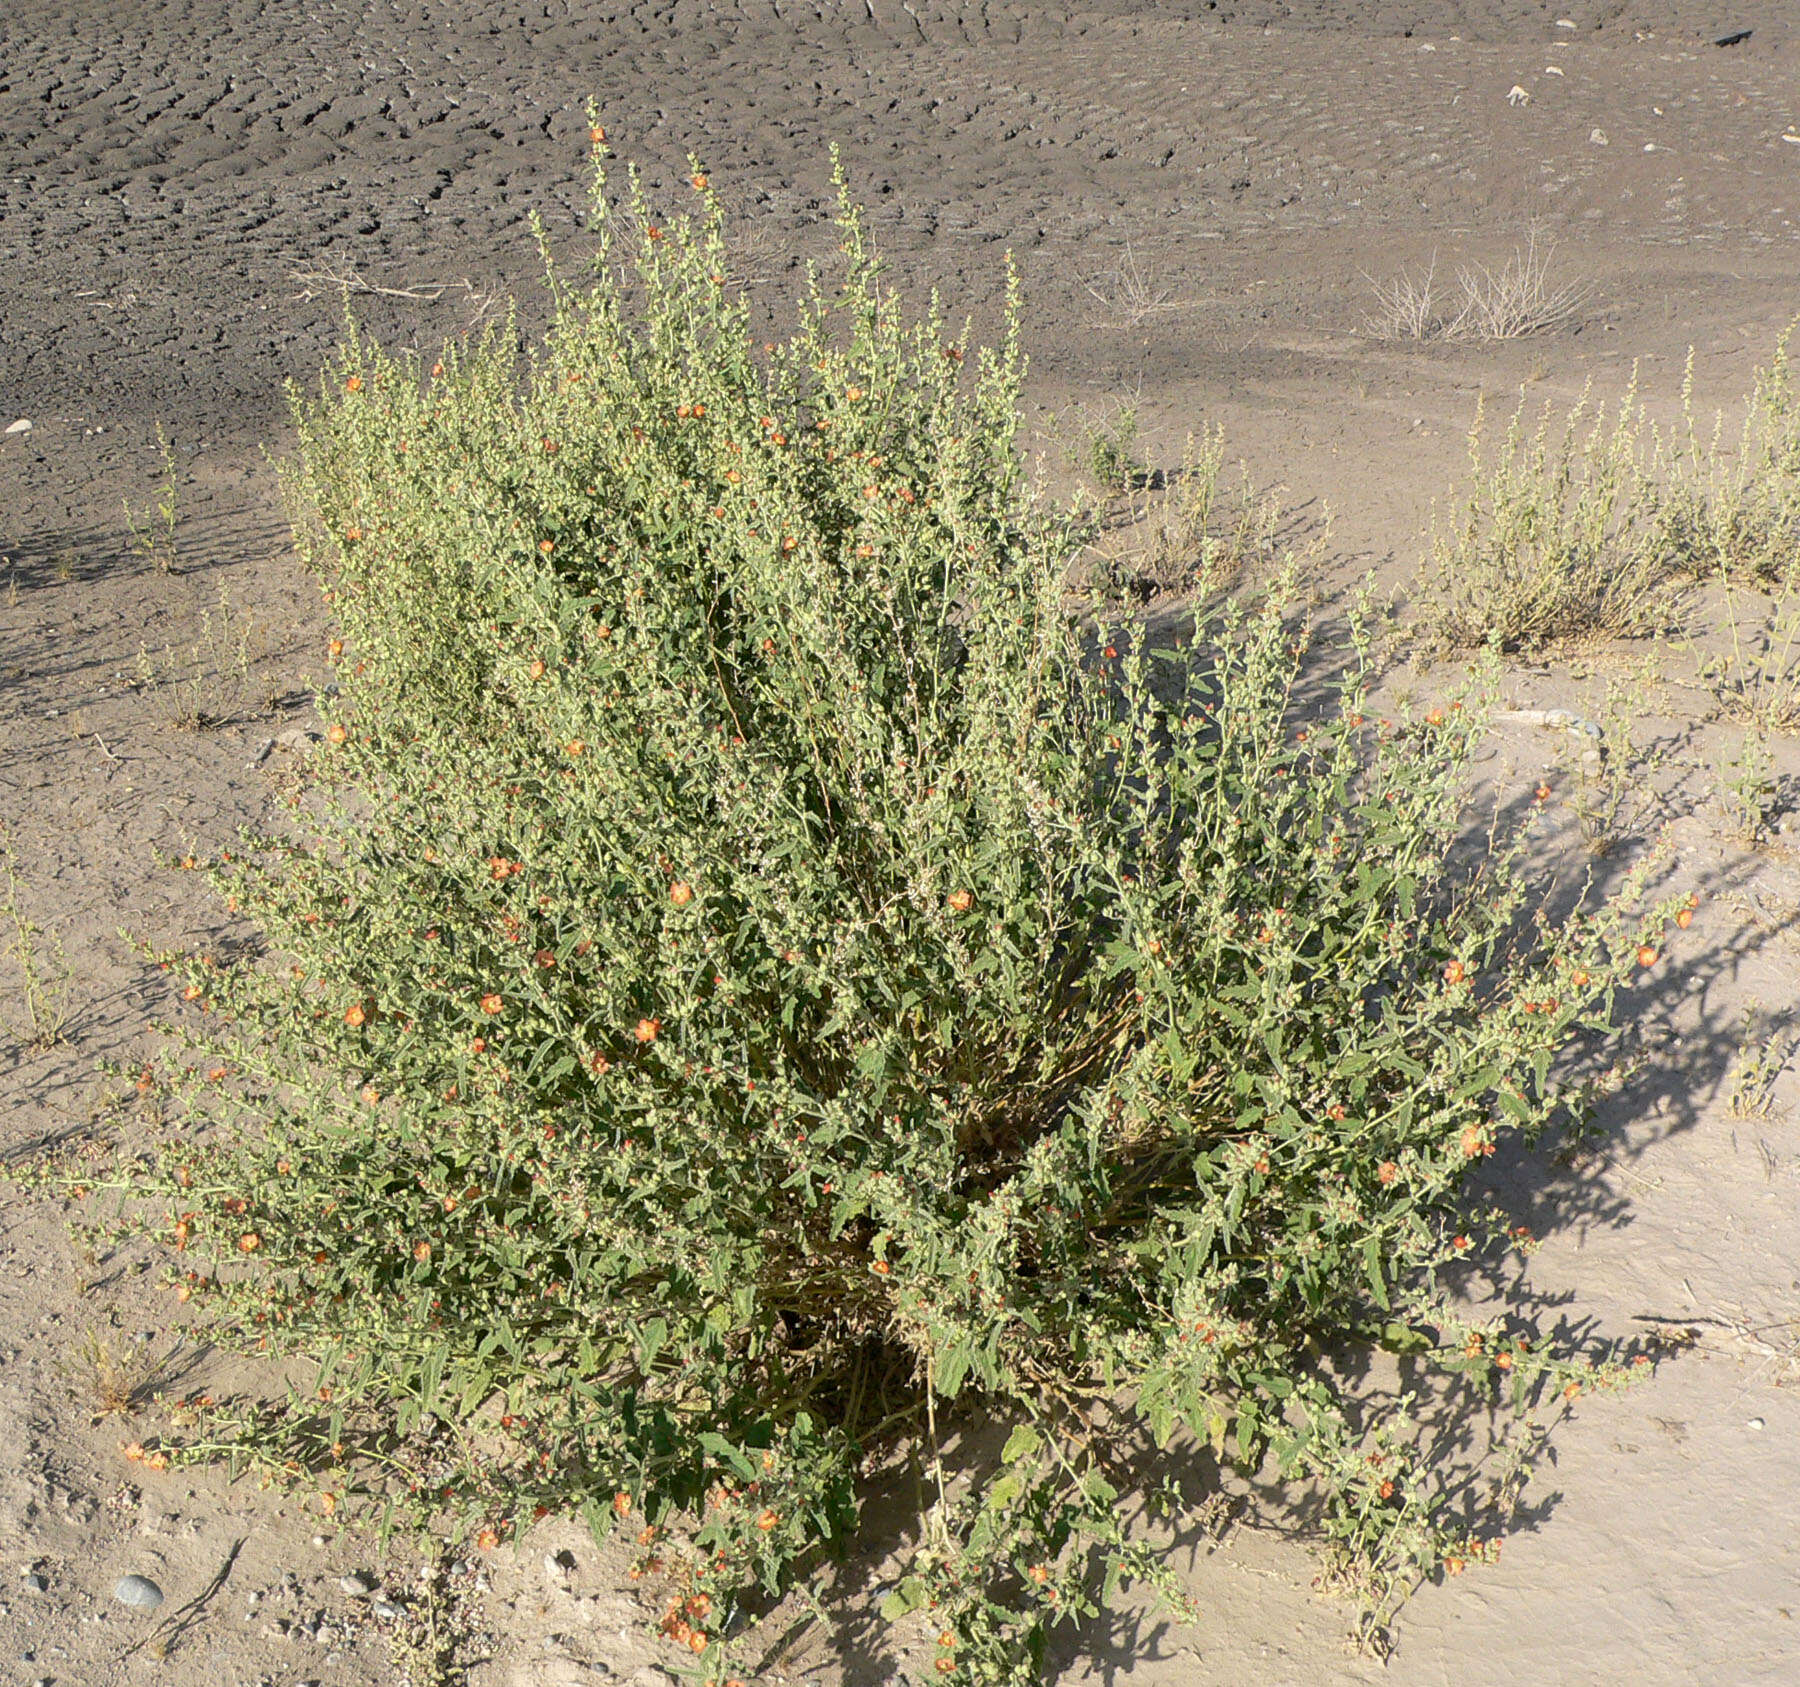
[(1763, 1055), (152, 530), (43, 967)]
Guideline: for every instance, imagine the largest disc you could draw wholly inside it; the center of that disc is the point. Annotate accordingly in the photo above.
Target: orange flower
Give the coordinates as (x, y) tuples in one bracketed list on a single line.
[(1543, 793), (1454, 1565), (546, 959), (546, 546), (352, 535), (487, 1539), (536, 670), (881, 1268), (369, 1095), (681, 893), (621, 1505), (1646, 956), (490, 1003), (354, 384), (575, 749), (133, 1450), (699, 181), (854, 394), (249, 1242), (960, 901), (355, 1016), (1472, 1145), (767, 1521), (335, 649), (647, 1029), (597, 135), (1685, 918), (192, 993), (337, 732), (1455, 973), (1387, 1171), (421, 1251)]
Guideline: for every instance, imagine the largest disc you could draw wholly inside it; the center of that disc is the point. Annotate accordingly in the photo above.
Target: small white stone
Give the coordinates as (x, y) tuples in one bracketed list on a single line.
[(1518, 96), (22, 425), (1597, 137), (1756, 1423)]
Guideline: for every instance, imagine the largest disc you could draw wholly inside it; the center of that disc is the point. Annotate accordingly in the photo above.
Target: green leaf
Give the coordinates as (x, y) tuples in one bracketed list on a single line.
[(1021, 1444), (720, 1448), (911, 1595), (1371, 1254)]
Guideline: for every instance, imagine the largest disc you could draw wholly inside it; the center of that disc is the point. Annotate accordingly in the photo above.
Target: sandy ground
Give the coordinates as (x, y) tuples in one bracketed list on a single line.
[(186, 185)]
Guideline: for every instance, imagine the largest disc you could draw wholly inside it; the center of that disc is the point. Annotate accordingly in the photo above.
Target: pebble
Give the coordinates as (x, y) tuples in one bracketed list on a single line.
[(37, 1583), (139, 1591), (22, 425), (358, 1585), (386, 1611), (1756, 1423), (1597, 137)]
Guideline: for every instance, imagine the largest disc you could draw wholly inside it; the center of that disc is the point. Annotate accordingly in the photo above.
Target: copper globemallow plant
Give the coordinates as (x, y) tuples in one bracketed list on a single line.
[(1062, 1040)]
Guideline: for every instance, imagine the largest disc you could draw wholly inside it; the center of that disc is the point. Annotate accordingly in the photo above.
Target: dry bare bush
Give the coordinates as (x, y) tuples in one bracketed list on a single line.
[(1133, 289), (1518, 298), (1515, 300)]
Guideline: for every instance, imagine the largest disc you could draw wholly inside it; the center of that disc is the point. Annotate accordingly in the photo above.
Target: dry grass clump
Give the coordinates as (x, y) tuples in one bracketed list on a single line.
[(1517, 299)]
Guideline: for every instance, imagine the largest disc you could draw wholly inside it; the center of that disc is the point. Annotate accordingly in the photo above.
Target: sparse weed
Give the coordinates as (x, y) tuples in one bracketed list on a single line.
[(111, 1378), (1105, 450), (153, 530), (1186, 534), (1756, 680), (1735, 513), (208, 685), (1764, 1051), (1614, 791), (43, 968), (1750, 793), (762, 984)]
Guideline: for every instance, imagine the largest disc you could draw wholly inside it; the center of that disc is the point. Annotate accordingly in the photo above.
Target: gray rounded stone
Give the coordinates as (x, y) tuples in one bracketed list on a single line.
[(138, 1591)]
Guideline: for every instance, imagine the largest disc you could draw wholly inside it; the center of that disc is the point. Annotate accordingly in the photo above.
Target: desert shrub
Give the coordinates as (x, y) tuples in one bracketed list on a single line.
[(1596, 531), (1558, 536), (757, 984), (1735, 513)]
